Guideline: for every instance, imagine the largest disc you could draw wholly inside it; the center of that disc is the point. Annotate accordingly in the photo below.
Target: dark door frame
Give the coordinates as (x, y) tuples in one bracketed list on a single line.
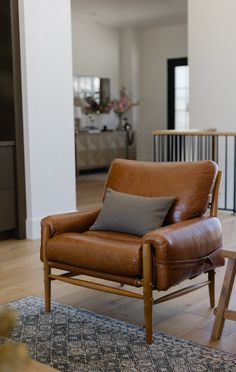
[(11, 53), (19, 136), (171, 64)]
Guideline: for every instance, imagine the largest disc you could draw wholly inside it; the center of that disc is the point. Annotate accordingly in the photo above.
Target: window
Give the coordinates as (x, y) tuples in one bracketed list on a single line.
[(181, 97), (178, 94)]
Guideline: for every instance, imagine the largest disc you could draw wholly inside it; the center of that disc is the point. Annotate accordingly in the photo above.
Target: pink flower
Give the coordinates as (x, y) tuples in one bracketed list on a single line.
[(123, 104)]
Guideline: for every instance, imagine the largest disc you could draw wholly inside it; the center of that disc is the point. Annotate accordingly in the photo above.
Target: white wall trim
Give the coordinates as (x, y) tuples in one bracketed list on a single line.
[(33, 228)]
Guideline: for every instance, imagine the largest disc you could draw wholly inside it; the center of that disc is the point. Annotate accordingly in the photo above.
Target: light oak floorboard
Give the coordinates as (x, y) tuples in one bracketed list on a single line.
[(188, 317)]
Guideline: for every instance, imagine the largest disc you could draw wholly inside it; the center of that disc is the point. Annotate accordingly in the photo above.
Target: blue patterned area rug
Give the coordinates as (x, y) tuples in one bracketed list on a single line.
[(72, 339)]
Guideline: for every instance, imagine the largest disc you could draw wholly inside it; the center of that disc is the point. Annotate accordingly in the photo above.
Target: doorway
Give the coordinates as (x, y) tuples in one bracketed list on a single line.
[(178, 93)]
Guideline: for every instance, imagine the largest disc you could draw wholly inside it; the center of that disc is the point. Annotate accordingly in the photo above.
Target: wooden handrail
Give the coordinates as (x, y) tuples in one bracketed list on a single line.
[(192, 132)]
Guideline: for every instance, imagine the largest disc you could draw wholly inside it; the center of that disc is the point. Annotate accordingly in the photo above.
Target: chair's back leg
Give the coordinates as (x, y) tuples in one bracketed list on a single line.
[(147, 290), (211, 278), (47, 287)]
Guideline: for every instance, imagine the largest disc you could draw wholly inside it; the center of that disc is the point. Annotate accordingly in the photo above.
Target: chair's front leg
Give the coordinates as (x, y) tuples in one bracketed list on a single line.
[(211, 286), (47, 287), (46, 234), (147, 290)]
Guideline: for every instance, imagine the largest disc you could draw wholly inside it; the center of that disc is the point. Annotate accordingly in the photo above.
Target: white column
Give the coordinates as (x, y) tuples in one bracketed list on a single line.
[(212, 61), (46, 60)]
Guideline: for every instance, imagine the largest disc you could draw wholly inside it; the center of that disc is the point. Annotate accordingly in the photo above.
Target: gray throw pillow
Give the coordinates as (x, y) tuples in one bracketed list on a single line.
[(132, 214)]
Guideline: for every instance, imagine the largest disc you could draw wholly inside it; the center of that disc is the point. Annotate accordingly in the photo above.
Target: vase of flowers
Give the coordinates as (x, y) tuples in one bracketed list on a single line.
[(122, 105), (120, 122)]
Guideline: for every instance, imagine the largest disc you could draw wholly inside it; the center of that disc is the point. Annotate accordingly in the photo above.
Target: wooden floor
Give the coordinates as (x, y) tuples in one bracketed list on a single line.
[(188, 317)]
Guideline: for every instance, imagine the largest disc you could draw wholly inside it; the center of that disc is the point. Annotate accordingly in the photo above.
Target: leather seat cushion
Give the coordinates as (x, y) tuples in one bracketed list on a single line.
[(106, 252), (114, 235)]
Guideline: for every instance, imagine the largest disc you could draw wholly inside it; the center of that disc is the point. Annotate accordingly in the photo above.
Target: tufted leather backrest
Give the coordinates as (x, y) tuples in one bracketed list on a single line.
[(190, 182)]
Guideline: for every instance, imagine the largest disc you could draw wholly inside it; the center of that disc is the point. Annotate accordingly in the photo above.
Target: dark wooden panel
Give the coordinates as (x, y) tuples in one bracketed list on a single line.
[(11, 118), (7, 210), (18, 130), (6, 74), (6, 167)]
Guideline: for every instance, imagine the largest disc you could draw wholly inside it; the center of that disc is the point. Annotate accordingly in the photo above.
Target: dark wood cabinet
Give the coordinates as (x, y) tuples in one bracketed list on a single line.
[(12, 177), (7, 187)]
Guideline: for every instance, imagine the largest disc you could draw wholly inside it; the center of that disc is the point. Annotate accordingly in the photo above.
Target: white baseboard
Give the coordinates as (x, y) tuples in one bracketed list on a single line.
[(33, 228), (33, 225)]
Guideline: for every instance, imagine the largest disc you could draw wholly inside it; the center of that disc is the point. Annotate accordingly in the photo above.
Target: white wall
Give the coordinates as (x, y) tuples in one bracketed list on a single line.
[(125, 58), (130, 69), (212, 61), (45, 37), (96, 53), (136, 92), (136, 59), (156, 46)]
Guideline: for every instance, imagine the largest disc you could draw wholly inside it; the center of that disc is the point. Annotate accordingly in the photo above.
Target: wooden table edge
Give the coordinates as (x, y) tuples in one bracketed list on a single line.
[(228, 254), (34, 366)]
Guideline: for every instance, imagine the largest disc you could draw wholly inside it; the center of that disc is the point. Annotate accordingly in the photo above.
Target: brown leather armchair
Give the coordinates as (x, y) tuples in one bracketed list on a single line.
[(187, 245)]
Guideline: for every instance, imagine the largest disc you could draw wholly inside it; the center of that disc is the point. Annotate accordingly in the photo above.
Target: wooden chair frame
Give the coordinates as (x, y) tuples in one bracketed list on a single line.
[(146, 282)]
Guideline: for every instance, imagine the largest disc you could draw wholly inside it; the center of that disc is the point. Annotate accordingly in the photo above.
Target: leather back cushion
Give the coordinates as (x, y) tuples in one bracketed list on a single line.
[(191, 183)]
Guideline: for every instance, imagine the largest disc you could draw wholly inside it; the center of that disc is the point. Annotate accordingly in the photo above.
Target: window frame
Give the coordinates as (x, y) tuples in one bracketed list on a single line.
[(171, 64)]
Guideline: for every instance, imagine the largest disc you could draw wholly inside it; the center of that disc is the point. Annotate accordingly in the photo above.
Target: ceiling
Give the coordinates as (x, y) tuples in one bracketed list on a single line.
[(130, 13)]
